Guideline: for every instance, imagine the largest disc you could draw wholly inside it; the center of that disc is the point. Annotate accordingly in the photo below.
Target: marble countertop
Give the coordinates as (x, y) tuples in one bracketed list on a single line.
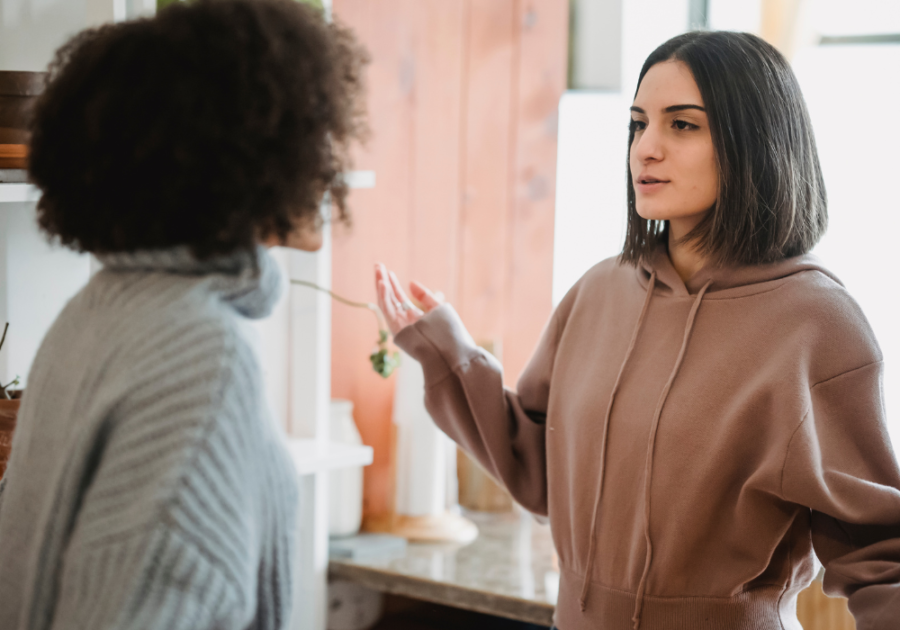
[(510, 570)]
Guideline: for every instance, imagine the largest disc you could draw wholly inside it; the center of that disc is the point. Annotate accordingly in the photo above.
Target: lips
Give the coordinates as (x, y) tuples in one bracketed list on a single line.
[(648, 185)]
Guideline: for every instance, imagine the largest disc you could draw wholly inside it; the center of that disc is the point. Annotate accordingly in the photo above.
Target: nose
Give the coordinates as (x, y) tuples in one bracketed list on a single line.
[(647, 146)]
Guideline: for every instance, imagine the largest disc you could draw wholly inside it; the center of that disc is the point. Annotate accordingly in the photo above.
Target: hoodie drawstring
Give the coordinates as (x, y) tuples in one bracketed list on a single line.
[(648, 469), (637, 329)]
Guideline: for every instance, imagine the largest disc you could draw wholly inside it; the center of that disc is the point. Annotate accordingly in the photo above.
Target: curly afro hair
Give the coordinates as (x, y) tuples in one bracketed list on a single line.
[(217, 124)]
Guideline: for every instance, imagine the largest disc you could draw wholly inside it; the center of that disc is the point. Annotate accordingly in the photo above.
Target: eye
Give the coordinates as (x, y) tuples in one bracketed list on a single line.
[(636, 125), (683, 125)]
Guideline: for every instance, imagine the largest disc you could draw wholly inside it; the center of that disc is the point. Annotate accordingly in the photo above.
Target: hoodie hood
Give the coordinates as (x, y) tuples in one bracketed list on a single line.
[(725, 281)]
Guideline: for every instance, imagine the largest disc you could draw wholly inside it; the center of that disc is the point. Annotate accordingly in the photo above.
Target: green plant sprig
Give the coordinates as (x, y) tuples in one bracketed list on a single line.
[(383, 362), (4, 389)]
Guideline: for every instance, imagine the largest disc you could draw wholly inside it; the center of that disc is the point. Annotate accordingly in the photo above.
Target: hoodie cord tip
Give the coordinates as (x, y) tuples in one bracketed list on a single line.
[(583, 603), (636, 620)]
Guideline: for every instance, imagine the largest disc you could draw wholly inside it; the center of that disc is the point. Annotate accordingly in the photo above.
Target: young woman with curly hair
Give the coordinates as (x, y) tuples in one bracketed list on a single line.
[(703, 414), (148, 486)]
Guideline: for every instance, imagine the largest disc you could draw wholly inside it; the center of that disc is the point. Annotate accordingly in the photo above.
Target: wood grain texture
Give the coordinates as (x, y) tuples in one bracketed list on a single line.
[(817, 611), (485, 222), (447, 107), (380, 232), (540, 80)]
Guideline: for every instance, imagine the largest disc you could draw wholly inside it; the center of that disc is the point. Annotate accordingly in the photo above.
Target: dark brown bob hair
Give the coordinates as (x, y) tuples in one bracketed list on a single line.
[(771, 200), (214, 125)]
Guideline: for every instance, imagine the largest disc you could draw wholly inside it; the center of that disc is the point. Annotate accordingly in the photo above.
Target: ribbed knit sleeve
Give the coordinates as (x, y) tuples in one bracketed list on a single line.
[(155, 579), (840, 465), (465, 396), (171, 533)]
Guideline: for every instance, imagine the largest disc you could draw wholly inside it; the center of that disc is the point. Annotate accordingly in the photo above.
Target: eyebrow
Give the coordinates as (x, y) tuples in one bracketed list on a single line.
[(670, 109)]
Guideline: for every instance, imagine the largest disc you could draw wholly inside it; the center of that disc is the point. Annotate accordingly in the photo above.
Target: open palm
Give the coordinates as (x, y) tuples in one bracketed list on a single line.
[(399, 310)]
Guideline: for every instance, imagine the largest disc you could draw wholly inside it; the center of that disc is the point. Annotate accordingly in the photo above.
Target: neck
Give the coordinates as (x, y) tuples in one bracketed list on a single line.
[(685, 258)]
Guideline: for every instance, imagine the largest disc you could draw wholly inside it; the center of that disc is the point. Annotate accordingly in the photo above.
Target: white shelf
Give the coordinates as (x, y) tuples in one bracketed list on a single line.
[(360, 179), (311, 456), (17, 193)]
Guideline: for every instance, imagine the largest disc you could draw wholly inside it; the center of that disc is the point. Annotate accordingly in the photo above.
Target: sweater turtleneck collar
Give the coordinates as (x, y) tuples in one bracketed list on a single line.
[(250, 282)]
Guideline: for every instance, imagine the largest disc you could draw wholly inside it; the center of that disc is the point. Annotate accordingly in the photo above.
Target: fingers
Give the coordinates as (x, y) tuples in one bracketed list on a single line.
[(387, 301), (398, 310), (401, 295), (428, 299)]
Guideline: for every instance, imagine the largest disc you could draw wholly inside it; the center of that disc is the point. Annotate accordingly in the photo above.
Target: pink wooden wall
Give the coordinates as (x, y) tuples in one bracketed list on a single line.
[(463, 99)]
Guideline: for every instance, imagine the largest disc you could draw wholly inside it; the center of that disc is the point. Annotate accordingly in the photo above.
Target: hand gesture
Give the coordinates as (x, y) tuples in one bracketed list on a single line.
[(399, 310)]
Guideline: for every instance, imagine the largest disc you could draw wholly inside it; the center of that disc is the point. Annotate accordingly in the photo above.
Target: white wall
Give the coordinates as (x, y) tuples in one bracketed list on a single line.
[(31, 30), (597, 44), (645, 25), (36, 281), (729, 15), (590, 184)]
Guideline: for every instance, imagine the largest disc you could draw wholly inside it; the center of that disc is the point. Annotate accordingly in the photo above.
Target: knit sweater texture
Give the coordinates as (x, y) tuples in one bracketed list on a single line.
[(695, 445), (148, 485)]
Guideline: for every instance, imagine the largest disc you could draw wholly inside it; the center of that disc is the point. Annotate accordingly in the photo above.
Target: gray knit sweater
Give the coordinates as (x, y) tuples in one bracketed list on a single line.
[(148, 485)]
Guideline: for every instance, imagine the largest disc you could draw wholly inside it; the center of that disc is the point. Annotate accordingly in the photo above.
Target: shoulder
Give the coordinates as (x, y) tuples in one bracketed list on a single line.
[(830, 322), (608, 270), (184, 437), (605, 276), (181, 362), (146, 323)]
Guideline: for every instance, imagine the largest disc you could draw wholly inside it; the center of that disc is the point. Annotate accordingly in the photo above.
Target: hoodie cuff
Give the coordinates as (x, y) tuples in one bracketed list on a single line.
[(439, 341)]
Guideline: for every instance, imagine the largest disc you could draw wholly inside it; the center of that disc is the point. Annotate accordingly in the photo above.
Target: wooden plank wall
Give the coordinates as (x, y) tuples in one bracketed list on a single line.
[(817, 611), (463, 98)]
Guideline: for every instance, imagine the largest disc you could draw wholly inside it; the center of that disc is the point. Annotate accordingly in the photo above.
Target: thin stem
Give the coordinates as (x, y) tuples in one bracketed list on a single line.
[(313, 285), (2, 339), (382, 325)]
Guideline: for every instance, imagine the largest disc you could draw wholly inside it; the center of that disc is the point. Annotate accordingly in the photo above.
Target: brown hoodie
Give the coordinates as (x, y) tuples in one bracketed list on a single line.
[(693, 445)]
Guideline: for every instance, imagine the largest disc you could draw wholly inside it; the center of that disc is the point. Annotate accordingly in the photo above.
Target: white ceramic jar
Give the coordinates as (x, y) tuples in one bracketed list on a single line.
[(345, 486)]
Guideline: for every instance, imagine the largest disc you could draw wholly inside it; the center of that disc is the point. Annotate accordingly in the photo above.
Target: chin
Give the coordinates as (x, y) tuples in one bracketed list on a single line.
[(654, 214)]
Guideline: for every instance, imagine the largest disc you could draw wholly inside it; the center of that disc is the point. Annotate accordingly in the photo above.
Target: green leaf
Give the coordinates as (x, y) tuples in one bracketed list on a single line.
[(384, 363)]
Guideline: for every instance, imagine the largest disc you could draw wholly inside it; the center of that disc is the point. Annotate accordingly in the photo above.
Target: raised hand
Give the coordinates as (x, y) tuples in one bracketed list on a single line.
[(399, 310)]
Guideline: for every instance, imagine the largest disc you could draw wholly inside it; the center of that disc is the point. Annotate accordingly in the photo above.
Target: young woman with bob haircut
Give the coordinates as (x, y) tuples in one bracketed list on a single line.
[(149, 486), (703, 414)]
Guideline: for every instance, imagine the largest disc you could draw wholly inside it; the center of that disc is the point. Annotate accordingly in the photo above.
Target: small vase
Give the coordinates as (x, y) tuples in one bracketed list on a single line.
[(345, 485)]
